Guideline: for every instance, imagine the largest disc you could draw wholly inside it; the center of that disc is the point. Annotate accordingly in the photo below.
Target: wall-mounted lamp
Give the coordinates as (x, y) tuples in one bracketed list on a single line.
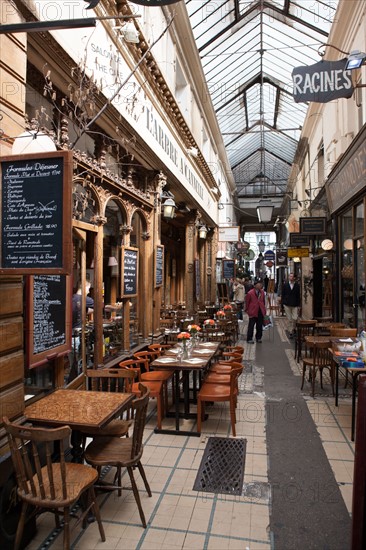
[(327, 244), (192, 152), (355, 60), (130, 33), (169, 207), (264, 211), (112, 261), (202, 232)]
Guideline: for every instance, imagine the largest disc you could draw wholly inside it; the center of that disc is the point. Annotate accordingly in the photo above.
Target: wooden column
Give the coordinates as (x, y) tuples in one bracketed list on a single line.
[(189, 264)]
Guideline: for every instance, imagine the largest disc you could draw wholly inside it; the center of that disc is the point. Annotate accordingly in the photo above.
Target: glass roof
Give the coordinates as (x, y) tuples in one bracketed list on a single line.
[(248, 50)]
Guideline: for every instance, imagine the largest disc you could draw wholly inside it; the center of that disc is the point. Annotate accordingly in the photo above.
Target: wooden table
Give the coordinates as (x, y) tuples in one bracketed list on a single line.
[(77, 409), (197, 363)]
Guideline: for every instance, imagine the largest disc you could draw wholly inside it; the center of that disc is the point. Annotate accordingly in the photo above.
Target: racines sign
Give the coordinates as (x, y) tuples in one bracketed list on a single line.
[(322, 82)]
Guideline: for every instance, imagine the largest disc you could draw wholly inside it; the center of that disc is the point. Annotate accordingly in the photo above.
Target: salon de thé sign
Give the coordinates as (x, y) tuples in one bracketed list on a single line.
[(322, 82)]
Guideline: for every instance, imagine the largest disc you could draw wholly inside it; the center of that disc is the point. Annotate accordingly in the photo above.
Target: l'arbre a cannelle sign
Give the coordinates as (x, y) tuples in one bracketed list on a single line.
[(322, 82)]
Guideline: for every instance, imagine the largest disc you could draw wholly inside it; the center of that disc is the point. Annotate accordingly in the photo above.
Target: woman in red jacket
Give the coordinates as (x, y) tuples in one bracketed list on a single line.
[(255, 307)]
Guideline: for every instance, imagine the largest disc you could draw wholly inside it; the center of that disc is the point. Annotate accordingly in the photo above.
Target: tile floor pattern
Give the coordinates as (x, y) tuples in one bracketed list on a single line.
[(180, 518)]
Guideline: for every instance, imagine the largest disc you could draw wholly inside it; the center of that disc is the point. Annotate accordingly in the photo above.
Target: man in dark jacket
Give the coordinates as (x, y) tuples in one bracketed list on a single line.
[(291, 300)]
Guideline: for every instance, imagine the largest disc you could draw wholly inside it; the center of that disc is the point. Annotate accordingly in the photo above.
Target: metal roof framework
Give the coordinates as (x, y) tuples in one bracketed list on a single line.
[(248, 50)]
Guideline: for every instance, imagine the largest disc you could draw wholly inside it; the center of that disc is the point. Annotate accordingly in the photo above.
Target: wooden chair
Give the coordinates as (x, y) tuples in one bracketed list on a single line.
[(160, 348), (320, 359), (45, 484), (303, 329), (219, 392), (156, 387), (221, 373), (154, 375), (124, 453), (110, 380)]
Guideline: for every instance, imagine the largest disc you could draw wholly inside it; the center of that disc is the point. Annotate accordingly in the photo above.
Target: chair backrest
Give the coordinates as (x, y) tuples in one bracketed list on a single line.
[(336, 325), (351, 332), (140, 409), (320, 352), (234, 375), (135, 365), (305, 328), (149, 356), (27, 445), (111, 380), (159, 347)]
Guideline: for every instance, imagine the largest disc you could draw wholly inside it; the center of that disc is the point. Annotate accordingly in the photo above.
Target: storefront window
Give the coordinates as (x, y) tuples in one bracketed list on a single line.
[(360, 266), (112, 322), (347, 269)]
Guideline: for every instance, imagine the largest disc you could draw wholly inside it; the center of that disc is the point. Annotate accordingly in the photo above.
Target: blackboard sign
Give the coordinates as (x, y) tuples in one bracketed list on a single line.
[(228, 269), (159, 265), (312, 226), (298, 239), (36, 213), (130, 271), (49, 319)]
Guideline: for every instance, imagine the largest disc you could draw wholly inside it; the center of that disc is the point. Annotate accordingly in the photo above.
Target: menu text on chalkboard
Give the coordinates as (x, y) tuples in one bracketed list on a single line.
[(228, 268), (36, 213), (130, 271), (159, 265), (49, 327)]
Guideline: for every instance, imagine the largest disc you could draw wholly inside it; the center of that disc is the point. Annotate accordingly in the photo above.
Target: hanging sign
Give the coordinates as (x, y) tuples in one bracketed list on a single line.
[(297, 239), (269, 256), (322, 82), (313, 226), (298, 252), (281, 258)]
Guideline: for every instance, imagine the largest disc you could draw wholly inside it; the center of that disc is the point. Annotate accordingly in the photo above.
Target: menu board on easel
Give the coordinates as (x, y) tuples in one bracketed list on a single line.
[(159, 265), (129, 271), (35, 197), (49, 318)]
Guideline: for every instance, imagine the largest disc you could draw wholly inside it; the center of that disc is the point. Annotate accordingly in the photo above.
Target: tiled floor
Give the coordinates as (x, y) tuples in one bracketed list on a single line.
[(181, 518)]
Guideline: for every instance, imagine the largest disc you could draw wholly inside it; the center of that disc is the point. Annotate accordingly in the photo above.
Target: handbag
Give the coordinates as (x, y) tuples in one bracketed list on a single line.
[(267, 321)]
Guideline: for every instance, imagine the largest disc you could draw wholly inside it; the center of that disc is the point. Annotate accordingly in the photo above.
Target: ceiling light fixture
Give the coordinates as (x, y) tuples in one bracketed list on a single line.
[(265, 211)]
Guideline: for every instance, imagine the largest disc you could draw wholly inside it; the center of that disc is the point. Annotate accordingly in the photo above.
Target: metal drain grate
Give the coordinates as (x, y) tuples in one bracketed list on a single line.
[(222, 466)]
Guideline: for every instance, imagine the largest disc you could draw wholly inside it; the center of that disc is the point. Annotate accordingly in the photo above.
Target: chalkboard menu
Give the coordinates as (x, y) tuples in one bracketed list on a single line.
[(228, 269), (130, 271), (49, 327), (198, 279), (36, 213), (159, 265)]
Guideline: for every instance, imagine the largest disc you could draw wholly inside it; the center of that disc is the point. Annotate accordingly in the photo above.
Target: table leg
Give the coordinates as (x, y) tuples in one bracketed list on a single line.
[(76, 443)]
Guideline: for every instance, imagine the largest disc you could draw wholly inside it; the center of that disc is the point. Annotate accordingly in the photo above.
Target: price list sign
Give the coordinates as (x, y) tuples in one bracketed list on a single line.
[(49, 330), (130, 271), (36, 213)]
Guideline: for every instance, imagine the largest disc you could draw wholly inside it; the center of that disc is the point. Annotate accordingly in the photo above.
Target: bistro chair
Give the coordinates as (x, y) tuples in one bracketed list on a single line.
[(320, 359), (124, 452), (48, 485), (154, 375), (156, 387), (222, 376), (160, 348), (303, 329), (219, 392), (110, 380)]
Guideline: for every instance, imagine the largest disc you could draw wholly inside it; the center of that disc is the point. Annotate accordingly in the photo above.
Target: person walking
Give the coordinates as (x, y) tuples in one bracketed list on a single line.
[(291, 301), (255, 307), (239, 295)]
